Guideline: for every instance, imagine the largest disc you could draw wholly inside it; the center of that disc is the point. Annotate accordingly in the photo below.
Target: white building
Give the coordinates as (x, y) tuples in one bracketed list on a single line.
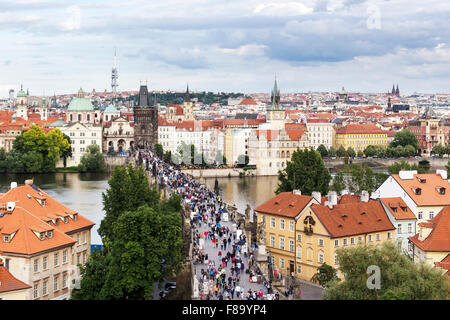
[(320, 131)]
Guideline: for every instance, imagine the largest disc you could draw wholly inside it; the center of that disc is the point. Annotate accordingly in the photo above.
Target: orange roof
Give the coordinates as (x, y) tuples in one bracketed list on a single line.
[(398, 208), (439, 238), (25, 241), (353, 218), (8, 282), (294, 130), (360, 128), (247, 101), (444, 263), (429, 195), (285, 204), (349, 198), (268, 134), (20, 196)]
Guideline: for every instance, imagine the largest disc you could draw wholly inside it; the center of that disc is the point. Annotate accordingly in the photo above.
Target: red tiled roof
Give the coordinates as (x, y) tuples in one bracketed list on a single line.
[(294, 130), (247, 101), (8, 282), (429, 194), (397, 206), (360, 128), (349, 198), (268, 134), (353, 218), (285, 204), (439, 237)]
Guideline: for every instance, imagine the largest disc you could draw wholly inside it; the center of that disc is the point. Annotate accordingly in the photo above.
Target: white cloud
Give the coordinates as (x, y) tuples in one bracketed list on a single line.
[(282, 9), (246, 50)]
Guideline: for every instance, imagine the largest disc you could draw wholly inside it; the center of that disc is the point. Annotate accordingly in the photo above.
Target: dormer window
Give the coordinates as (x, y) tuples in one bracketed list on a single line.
[(66, 219), (42, 235), (75, 217), (441, 190), (417, 191), (6, 238), (50, 234), (422, 180), (394, 209), (404, 209)]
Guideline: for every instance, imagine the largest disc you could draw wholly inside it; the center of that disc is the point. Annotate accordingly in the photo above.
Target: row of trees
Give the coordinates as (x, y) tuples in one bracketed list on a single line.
[(399, 278), (441, 150), (34, 151), (142, 239), (356, 178)]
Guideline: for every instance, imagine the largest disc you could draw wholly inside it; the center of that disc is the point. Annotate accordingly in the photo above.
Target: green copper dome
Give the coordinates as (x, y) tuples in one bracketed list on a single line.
[(80, 104), (21, 93)]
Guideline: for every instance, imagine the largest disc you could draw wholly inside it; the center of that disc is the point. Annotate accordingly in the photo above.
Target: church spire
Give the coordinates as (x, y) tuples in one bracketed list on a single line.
[(397, 92), (275, 97), (187, 97)]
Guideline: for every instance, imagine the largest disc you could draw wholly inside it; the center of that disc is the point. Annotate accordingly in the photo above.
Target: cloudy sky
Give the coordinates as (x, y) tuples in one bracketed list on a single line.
[(225, 45)]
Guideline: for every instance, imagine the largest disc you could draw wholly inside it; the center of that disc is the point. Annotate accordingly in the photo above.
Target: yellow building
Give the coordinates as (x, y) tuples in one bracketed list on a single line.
[(360, 136), (301, 233)]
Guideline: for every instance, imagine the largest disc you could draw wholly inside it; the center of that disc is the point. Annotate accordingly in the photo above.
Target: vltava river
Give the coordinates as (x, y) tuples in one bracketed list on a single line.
[(82, 192)]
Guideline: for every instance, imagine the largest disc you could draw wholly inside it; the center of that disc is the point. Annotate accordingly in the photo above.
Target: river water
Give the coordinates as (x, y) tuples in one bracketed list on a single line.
[(82, 192)]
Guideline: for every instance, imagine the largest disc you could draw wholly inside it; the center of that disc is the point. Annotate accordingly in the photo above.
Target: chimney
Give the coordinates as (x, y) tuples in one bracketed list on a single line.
[(13, 185), (316, 195), (332, 199), (364, 196), (29, 182), (297, 192), (344, 192), (407, 174), (443, 173), (10, 205)]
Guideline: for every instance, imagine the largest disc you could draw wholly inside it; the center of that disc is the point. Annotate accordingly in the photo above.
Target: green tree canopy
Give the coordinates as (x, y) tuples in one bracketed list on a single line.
[(341, 152), (351, 152), (400, 278), (396, 167), (325, 274), (305, 172), (322, 150), (403, 138), (338, 183), (93, 160)]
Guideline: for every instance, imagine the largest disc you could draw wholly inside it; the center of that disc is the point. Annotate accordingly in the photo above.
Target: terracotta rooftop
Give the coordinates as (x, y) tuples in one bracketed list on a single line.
[(361, 129), (285, 204), (353, 218), (398, 208), (428, 184), (8, 282), (439, 237)]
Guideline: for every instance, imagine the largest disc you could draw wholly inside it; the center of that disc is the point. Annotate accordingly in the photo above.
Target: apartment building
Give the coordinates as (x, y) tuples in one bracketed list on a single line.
[(43, 241), (320, 131), (360, 136)]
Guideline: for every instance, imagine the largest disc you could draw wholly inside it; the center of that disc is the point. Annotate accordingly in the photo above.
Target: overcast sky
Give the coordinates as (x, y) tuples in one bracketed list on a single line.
[(225, 45)]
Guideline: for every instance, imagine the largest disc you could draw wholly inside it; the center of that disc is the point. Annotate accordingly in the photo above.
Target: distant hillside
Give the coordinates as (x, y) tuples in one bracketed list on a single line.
[(178, 98)]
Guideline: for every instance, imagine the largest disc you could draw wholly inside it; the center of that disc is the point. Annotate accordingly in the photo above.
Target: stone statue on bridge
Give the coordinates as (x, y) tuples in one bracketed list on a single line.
[(261, 231)]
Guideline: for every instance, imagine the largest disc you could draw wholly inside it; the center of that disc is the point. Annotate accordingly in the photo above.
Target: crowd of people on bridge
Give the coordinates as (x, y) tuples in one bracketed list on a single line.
[(208, 211)]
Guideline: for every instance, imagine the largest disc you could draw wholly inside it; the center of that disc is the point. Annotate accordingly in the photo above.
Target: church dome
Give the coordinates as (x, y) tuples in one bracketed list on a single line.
[(80, 104)]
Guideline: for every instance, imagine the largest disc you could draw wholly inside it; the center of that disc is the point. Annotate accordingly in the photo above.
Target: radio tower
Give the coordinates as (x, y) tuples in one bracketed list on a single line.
[(114, 76)]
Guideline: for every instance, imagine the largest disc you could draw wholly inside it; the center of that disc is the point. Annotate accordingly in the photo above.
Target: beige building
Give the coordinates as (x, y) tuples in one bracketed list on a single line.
[(43, 242), (118, 135), (320, 131), (11, 288)]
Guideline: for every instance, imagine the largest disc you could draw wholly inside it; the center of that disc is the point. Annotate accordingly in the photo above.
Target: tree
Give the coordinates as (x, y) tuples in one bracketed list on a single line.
[(306, 172), (403, 138), (3, 160), (93, 160), (68, 152), (167, 156), (159, 150), (396, 167), (128, 190), (323, 151), (341, 152), (360, 154), (325, 274), (370, 151), (332, 152), (401, 278), (32, 161), (439, 150), (351, 152), (242, 160), (425, 165), (338, 183)]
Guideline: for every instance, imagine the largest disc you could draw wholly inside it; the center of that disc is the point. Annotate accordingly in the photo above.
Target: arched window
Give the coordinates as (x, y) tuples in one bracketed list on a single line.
[(71, 117), (88, 117), (288, 154), (79, 117), (282, 154), (299, 252)]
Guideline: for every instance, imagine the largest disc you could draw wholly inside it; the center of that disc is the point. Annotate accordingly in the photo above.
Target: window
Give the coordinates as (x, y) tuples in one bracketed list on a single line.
[(336, 243), (299, 238), (281, 243), (44, 263), (389, 235), (320, 257), (431, 215), (56, 259), (272, 222), (291, 226), (79, 258), (78, 239), (281, 224), (50, 234), (35, 290), (44, 288), (336, 259), (6, 238), (281, 263), (345, 242), (399, 228), (64, 256), (42, 235), (84, 257), (84, 237), (320, 242), (409, 227), (36, 265), (64, 281), (378, 237), (272, 241), (291, 245), (299, 252), (352, 240), (55, 283), (299, 268), (420, 215), (370, 237)]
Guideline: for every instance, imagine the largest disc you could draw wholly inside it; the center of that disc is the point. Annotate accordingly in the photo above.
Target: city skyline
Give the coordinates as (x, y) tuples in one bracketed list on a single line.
[(312, 45)]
